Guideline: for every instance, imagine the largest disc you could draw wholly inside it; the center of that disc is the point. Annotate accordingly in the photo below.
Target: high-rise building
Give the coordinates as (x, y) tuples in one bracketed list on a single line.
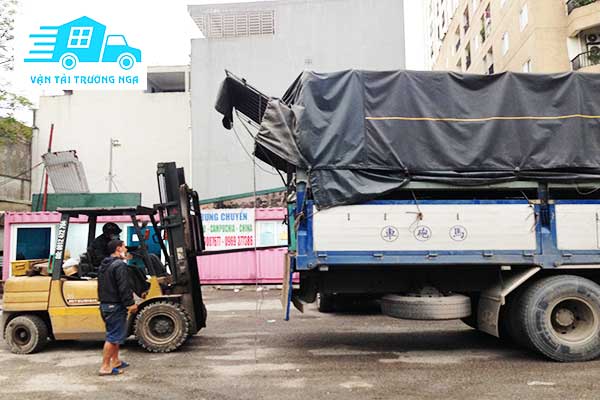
[(488, 36)]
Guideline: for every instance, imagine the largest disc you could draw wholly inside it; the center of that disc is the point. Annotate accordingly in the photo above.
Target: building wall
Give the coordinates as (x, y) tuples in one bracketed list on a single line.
[(542, 41), (15, 178), (151, 127), (321, 35)]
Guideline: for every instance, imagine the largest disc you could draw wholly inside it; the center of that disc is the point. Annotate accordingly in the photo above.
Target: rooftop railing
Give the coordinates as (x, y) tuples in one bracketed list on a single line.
[(573, 4)]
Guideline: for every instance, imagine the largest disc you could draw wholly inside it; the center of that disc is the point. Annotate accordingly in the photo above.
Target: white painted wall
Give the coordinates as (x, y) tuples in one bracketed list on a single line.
[(151, 127), (320, 35)]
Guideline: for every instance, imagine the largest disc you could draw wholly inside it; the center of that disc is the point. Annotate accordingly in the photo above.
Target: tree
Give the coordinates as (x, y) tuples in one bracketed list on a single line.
[(10, 128)]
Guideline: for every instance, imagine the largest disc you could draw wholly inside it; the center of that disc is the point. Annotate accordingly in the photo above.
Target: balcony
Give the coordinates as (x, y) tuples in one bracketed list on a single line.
[(583, 15), (573, 4), (587, 62)]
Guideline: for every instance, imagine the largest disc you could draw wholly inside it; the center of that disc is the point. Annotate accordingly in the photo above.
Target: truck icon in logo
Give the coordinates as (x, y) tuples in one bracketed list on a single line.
[(81, 40)]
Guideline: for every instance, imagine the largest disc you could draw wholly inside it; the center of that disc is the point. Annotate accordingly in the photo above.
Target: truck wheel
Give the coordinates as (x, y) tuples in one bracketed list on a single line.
[(26, 334), (560, 317), (162, 327), (455, 306), (471, 320), (68, 61), (126, 61), (325, 302), (510, 327)]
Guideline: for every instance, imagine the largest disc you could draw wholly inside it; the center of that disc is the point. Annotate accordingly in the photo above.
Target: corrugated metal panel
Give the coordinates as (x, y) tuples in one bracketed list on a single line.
[(66, 172), (240, 267)]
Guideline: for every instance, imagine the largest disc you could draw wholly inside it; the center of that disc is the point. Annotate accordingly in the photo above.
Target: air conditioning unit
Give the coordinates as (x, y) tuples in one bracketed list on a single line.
[(594, 50), (592, 38)]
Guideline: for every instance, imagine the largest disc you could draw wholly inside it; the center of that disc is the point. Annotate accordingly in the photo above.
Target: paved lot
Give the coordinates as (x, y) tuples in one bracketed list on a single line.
[(245, 355)]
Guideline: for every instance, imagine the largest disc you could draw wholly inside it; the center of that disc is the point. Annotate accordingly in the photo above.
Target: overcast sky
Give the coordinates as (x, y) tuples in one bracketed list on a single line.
[(161, 28)]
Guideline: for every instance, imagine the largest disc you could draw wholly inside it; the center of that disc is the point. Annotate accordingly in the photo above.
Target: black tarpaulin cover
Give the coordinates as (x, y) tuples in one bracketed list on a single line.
[(361, 134)]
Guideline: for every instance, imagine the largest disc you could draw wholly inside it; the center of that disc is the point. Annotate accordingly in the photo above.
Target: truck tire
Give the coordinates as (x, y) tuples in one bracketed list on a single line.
[(162, 327), (560, 318), (325, 302), (510, 327), (26, 334), (471, 320), (455, 306)]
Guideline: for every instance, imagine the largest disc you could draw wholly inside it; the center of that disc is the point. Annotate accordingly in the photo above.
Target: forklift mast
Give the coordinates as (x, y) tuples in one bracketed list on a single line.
[(181, 222)]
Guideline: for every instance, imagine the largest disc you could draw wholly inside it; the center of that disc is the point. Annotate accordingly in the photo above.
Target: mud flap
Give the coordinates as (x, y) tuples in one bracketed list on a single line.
[(491, 299)]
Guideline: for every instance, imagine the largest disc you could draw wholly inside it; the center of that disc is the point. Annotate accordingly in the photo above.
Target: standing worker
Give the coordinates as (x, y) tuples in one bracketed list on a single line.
[(116, 299)]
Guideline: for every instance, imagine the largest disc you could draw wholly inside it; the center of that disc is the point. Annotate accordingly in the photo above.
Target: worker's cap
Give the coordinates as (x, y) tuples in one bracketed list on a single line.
[(111, 228)]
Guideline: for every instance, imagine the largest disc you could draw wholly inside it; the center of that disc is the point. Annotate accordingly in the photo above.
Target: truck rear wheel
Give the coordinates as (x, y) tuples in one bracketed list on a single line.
[(560, 317), (162, 327), (325, 302), (26, 334)]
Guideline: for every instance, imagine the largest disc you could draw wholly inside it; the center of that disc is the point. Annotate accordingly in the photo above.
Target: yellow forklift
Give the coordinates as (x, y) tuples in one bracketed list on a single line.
[(63, 306)]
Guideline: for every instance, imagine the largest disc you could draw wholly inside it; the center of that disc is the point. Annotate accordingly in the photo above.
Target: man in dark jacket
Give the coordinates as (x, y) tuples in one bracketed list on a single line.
[(98, 250), (116, 299)]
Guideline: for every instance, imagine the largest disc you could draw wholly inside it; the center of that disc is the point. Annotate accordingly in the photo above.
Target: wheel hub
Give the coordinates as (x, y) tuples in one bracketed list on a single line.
[(573, 320), (21, 336), (162, 326), (564, 317)]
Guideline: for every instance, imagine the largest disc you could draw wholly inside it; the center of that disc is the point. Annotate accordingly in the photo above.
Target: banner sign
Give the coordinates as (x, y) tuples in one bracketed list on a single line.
[(231, 228)]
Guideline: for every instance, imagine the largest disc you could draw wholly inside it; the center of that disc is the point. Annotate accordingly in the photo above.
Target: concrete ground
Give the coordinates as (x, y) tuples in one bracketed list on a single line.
[(245, 354)]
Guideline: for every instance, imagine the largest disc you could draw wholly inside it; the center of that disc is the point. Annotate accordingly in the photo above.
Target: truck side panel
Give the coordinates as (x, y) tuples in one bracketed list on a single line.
[(406, 227)]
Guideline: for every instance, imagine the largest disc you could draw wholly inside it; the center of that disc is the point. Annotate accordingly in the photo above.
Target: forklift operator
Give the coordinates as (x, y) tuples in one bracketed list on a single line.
[(99, 248)]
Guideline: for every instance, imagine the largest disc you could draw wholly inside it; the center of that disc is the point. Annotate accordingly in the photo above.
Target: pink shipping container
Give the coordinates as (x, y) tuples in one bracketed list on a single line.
[(243, 267)]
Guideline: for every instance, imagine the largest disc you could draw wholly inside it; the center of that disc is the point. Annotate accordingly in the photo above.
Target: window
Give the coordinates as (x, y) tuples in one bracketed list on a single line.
[(271, 233), (467, 56), (33, 243), (80, 37), (457, 44), (488, 61), (527, 66), (524, 17), (466, 19), (486, 20), (505, 43), (116, 40), (459, 65), (250, 23)]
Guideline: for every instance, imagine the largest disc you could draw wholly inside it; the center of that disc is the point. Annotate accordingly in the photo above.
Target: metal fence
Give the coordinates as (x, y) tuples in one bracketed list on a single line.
[(586, 59)]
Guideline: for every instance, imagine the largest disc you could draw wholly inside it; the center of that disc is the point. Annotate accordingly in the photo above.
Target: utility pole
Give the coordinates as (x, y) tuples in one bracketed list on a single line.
[(113, 143)]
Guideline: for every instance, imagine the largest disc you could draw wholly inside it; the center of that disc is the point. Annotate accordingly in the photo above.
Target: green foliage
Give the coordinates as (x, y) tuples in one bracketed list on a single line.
[(581, 3), (12, 130), (7, 22), (594, 57)]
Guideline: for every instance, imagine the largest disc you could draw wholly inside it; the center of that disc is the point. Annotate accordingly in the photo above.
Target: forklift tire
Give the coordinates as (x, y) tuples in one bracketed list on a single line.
[(26, 334), (162, 327)]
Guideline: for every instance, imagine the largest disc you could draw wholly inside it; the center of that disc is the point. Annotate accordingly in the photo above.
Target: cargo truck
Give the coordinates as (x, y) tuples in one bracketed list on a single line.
[(444, 195)]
